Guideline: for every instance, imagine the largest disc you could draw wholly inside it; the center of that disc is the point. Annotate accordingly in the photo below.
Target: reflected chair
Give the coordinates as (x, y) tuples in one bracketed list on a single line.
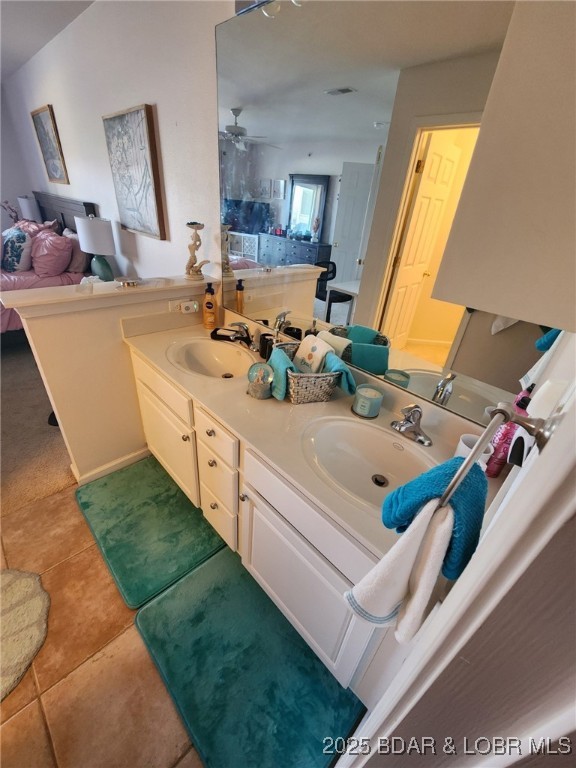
[(322, 290)]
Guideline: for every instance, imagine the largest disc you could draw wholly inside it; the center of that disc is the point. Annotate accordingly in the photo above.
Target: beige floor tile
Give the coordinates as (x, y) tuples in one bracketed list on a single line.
[(86, 612), (46, 532), (114, 712), (25, 742), (21, 696)]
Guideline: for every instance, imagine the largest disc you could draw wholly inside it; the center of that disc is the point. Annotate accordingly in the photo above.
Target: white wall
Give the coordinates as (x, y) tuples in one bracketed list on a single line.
[(15, 180), (446, 92), (114, 56)]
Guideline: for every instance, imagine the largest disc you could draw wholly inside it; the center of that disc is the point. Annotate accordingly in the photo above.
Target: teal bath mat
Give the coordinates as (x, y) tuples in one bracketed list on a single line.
[(148, 531), (250, 691)]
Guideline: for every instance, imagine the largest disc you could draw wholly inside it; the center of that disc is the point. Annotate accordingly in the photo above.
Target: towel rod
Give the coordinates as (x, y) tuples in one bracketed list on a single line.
[(541, 429), (497, 419)]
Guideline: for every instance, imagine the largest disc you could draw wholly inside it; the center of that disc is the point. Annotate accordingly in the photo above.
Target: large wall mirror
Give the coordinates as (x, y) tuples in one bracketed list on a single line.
[(343, 90)]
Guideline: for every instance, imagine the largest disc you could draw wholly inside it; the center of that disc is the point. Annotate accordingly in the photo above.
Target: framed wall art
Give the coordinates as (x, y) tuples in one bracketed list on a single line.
[(50, 146), (278, 189), (264, 186), (135, 172)]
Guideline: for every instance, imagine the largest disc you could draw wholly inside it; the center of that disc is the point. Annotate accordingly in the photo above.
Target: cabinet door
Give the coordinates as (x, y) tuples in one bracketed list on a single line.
[(304, 585), (171, 441)]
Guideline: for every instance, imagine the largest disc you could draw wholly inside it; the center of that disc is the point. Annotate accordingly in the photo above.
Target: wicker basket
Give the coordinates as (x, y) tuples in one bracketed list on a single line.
[(308, 387)]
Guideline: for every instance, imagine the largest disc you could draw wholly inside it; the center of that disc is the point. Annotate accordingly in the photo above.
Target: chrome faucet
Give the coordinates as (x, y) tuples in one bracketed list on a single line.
[(443, 389), (409, 426), (280, 323), (242, 334)]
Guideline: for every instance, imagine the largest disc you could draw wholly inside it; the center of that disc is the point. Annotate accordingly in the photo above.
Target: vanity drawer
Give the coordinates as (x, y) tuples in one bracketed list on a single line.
[(220, 518), (177, 401), (218, 477), (216, 437)]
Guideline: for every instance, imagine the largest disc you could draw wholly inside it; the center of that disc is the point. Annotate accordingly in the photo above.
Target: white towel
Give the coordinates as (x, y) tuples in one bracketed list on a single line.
[(399, 587), (425, 572), (309, 357), (338, 343), (500, 323)]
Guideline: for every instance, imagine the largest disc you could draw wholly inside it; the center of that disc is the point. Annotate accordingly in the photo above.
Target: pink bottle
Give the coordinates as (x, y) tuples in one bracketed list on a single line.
[(502, 441)]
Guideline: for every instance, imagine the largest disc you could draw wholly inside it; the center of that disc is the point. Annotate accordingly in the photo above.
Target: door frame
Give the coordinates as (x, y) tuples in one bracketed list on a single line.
[(419, 154), (418, 126)]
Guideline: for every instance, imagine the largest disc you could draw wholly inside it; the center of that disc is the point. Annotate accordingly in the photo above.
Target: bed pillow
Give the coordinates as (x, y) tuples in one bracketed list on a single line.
[(16, 250), (51, 254), (80, 261), (32, 228)]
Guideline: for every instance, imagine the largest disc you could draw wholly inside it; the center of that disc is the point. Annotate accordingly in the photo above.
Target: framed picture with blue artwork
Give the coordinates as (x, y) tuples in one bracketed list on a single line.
[(133, 159), (47, 132)]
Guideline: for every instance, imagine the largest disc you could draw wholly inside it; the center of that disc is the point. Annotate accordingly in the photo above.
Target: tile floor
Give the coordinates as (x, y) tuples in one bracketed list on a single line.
[(92, 697)]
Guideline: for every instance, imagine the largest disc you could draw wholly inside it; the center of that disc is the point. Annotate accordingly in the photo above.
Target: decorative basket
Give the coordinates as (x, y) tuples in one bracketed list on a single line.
[(341, 330), (308, 387)]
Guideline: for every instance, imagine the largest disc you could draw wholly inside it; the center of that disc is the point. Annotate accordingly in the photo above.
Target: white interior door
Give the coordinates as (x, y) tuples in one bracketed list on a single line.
[(423, 222), (353, 197)]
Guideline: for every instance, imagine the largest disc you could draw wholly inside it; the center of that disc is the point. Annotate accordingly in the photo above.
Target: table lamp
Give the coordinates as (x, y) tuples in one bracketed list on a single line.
[(29, 208), (95, 237)]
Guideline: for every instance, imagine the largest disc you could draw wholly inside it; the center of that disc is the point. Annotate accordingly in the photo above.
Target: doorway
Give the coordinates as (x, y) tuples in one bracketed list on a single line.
[(414, 321)]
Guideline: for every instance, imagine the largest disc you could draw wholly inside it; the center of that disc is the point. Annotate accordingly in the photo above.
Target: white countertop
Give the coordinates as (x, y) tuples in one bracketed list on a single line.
[(273, 430)]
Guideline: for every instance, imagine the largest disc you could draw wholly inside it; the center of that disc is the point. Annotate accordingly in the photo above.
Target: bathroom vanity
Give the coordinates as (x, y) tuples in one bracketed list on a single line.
[(250, 466)]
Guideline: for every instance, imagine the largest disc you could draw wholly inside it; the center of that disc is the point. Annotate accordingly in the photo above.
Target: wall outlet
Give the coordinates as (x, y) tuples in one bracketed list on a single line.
[(185, 306)]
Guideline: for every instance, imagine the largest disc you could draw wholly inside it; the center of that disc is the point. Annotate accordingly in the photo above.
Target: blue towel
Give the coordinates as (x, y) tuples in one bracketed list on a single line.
[(403, 504), (332, 364), (544, 343), (361, 334), (370, 357), (280, 363)]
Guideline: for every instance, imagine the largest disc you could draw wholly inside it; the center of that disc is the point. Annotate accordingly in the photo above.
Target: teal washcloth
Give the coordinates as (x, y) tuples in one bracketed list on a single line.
[(544, 343), (280, 364), (370, 357), (333, 364), (404, 503), (361, 334)]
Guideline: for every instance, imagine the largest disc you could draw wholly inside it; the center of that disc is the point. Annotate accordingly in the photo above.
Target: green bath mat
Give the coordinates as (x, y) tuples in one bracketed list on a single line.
[(250, 691), (148, 531)]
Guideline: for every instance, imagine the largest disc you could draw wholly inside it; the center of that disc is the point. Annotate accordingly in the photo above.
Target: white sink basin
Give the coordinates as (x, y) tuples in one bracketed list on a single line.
[(219, 359), (468, 398), (362, 460)]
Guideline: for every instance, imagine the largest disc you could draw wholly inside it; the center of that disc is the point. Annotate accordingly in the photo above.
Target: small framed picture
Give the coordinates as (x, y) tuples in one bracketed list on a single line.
[(264, 189), (278, 189), (47, 132)]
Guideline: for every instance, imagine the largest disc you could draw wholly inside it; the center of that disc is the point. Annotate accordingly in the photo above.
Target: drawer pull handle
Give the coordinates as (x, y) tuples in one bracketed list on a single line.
[(213, 505), (210, 432), (243, 497), (185, 438), (212, 462)]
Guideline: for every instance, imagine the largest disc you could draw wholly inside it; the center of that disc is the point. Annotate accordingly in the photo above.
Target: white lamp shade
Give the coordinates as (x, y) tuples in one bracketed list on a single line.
[(29, 208), (95, 235)]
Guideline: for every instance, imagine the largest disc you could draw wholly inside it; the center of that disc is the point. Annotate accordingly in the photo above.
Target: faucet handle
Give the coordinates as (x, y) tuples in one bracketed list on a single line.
[(413, 413)]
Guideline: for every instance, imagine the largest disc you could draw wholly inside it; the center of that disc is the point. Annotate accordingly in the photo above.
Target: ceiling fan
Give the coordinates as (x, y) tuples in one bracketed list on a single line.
[(238, 135)]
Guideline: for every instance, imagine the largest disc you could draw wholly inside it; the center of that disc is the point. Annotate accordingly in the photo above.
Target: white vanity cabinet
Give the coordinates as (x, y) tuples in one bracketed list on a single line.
[(218, 474), (305, 564), (167, 419)]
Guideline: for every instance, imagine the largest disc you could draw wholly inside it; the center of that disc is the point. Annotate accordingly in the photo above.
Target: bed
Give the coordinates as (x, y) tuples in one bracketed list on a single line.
[(241, 262), (44, 255)]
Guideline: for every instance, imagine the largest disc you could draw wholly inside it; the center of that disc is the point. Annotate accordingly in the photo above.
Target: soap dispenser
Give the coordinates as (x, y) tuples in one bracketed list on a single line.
[(240, 297), (209, 308)]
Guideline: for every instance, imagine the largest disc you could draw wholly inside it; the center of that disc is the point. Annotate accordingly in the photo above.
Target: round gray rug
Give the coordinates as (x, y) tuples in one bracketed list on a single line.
[(23, 624)]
